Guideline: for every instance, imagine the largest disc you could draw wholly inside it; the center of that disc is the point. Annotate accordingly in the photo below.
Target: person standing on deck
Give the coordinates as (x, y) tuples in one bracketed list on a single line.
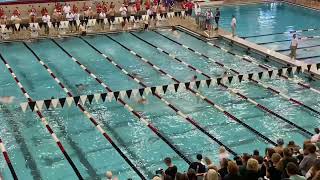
[(217, 18), (294, 46), (233, 25)]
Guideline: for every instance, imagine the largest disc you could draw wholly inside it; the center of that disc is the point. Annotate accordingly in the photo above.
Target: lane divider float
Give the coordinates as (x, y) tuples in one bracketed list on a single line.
[(286, 40), (229, 115), (43, 120), (287, 32), (7, 159), (179, 112), (242, 96), (144, 120), (88, 115), (272, 89)]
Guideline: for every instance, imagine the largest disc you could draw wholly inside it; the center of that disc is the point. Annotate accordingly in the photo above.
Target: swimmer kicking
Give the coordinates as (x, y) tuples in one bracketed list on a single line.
[(6, 99)]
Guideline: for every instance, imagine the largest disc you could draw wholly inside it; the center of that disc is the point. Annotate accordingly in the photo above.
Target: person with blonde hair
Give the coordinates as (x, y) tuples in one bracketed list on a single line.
[(211, 175), (223, 153), (109, 175), (252, 170), (233, 171)]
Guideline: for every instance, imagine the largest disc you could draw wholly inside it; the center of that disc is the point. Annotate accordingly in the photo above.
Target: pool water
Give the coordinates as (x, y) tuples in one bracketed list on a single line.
[(268, 18), (35, 155)]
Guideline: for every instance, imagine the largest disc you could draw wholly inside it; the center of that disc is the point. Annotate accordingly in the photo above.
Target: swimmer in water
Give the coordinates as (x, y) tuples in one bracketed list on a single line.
[(135, 75), (175, 32), (143, 100), (6, 99), (195, 77), (80, 87)]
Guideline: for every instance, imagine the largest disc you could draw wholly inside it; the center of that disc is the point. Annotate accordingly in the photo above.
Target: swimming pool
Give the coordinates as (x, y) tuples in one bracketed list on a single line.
[(153, 57), (262, 19)]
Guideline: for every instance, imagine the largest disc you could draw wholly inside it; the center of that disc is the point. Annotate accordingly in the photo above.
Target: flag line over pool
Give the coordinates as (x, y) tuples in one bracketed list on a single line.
[(114, 95)]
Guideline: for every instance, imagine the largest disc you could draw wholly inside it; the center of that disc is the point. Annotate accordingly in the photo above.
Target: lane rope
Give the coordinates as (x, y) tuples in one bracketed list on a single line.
[(87, 114), (272, 89), (304, 47), (286, 40), (179, 112), (229, 115), (7, 159), (287, 32), (242, 96), (144, 120), (43, 120)]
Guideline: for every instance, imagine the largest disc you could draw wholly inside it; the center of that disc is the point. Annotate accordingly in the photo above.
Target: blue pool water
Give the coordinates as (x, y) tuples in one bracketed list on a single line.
[(266, 18), (35, 155)]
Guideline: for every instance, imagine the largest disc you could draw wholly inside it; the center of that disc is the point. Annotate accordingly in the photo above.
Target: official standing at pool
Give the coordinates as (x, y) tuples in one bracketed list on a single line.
[(294, 46), (233, 25), (217, 18)]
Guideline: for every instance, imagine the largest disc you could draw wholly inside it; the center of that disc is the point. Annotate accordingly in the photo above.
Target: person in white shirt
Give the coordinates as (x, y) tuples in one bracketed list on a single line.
[(70, 18), (233, 25), (294, 46), (66, 9), (123, 11), (15, 20), (316, 137), (197, 11), (46, 20)]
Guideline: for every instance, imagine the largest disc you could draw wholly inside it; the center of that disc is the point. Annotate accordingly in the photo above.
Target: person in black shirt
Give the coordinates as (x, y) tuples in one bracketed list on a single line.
[(198, 166), (217, 18), (172, 169)]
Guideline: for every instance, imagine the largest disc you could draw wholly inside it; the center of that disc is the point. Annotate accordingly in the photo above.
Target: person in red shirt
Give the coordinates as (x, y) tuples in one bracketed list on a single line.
[(189, 6), (138, 5), (147, 4), (58, 7), (75, 9), (3, 17), (98, 8)]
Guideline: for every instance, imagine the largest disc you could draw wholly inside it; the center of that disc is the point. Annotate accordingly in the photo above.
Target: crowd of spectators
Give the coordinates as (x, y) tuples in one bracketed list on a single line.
[(289, 162)]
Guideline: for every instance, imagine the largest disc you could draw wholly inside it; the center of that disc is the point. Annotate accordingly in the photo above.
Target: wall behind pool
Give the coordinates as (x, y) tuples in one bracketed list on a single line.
[(264, 18)]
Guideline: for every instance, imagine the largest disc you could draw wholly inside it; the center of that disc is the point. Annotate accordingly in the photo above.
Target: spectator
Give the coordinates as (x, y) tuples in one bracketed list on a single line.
[(256, 156), (316, 137), (245, 159), (181, 176), (172, 169), (287, 157), (192, 175), (252, 170), (46, 20), (207, 162), (272, 169), (211, 175), (233, 172), (109, 175), (294, 148), (223, 153), (292, 171), (197, 166), (223, 171), (313, 170), (279, 147), (308, 159), (66, 9)]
